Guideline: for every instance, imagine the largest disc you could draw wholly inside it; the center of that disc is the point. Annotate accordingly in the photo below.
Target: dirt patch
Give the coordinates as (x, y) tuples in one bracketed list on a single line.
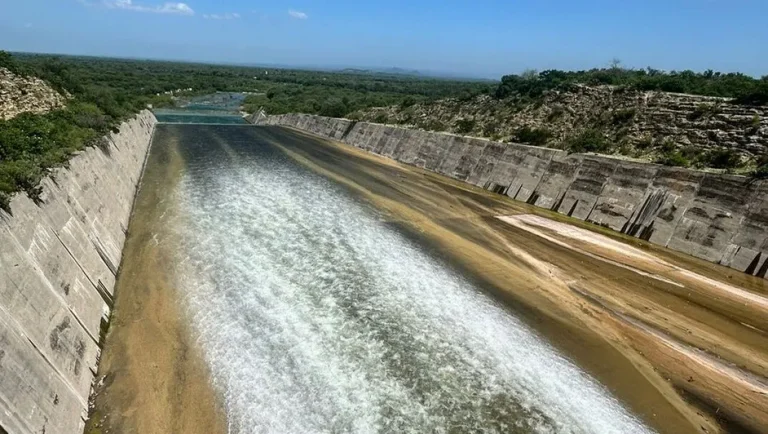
[(152, 377)]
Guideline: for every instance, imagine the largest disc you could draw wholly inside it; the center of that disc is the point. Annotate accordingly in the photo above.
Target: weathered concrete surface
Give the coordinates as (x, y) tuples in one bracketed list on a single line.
[(720, 218), (58, 261)]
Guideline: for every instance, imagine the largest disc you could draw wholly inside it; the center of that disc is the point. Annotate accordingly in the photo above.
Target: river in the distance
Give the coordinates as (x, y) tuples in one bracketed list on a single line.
[(317, 316)]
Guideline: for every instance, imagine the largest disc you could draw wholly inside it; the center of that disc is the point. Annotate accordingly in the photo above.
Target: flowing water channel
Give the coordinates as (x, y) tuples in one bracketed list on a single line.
[(318, 315)]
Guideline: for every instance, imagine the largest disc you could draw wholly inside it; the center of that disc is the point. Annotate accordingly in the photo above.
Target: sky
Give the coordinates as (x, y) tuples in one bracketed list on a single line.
[(480, 38)]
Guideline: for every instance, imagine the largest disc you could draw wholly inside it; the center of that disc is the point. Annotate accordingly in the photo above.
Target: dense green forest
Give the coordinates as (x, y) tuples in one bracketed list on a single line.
[(338, 94)]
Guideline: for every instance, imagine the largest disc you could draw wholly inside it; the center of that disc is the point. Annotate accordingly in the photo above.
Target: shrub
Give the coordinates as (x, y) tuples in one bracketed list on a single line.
[(754, 96), (702, 110), (381, 118), (746, 89), (623, 116), (667, 146), (556, 113), (434, 125), (465, 96), (408, 101), (590, 140), (8, 62), (490, 129), (673, 158), (761, 171), (532, 136), (465, 126), (334, 108), (722, 159), (5, 202), (645, 142)]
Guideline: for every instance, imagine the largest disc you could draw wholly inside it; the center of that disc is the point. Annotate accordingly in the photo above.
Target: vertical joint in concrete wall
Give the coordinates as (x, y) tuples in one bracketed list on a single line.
[(763, 269), (559, 203), (753, 265), (641, 222), (105, 258), (109, 300), (646, 233), (517, 192), (348, 130), (573, 208), (498, 188)]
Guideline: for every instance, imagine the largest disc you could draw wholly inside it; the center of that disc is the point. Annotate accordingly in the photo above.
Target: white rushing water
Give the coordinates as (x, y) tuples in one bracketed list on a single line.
[(317, 317)]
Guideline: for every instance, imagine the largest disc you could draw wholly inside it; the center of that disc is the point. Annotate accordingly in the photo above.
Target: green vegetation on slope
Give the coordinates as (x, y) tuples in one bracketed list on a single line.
[(102, 95), (745, 89)]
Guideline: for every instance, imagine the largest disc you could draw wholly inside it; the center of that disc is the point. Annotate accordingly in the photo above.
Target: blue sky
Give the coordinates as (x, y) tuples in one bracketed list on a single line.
[(484, 38)]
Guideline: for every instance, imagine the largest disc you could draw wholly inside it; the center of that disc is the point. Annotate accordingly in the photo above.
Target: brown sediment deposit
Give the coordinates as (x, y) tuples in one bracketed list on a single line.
[(681, 341), (152, 377)]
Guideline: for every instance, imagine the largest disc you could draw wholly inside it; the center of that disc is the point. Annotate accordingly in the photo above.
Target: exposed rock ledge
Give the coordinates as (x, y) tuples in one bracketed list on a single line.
[(26, 94)]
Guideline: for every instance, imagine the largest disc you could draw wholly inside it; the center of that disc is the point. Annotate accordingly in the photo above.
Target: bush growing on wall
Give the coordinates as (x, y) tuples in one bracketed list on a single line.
[(465, 126), (746, 89), (533, 136), (590, 140)]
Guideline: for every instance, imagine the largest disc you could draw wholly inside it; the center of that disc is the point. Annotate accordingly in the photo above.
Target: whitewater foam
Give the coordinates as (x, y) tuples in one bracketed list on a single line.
[(317, 316)]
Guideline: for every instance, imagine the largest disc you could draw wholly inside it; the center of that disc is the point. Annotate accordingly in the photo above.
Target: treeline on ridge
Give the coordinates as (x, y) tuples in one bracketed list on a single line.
[(743, 88)]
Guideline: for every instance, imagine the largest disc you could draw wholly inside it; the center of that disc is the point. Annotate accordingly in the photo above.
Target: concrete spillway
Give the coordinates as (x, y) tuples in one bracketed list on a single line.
[(315, 314), (320, 288)]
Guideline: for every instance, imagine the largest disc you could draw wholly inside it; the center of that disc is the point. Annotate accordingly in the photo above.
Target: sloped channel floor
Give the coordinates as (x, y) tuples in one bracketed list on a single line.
[(274, 282)]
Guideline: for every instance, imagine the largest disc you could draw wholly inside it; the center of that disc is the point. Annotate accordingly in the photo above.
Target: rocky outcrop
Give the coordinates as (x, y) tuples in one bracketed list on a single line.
[(26, 94), (716, 217), (633, 120), (58, 262)]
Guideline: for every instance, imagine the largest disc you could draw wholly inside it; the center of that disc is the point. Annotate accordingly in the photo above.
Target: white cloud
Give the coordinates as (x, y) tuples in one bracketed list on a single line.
[(298, 15), (165, 8), (227, 16)]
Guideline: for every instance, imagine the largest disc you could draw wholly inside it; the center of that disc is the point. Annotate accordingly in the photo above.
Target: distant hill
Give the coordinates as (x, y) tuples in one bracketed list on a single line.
[(384, 71)]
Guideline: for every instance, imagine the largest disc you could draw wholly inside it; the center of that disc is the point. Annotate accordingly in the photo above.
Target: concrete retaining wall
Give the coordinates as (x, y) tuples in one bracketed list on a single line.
[(58, 262), (720, 218)]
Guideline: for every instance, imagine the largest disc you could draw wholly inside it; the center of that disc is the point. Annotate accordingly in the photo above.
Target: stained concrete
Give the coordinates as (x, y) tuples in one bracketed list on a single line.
[(58, 262), (717, 217)]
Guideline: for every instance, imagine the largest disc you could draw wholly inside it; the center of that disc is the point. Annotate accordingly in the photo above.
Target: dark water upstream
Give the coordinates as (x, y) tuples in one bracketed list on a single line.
[(317, 316)]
